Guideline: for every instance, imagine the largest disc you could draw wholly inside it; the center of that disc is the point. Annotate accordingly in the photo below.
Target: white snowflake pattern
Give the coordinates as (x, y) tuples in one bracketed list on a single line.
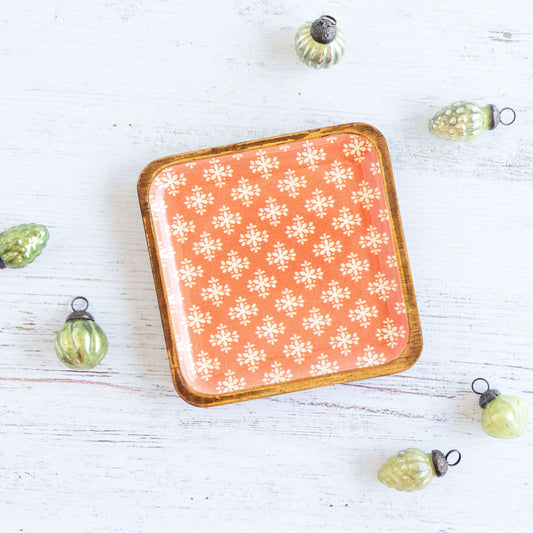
[(234, 264), (253, 237), (354, 267), (338, 175), (344, 340), (391, 261), (300, 229), (346, 221), (237, 156), (204, 365), (375, 168), (363, 313), (291, 183), (272, 212), (335, 294), (261, 283), (231, 383), (226, 220), (245, 192), (373, 240), (370, 358), (319, 203), (357, 148), (280, 256), (382, 286), (264, 164), (207, 246), (316, 321), (242, 311), (383, 215), (158, 206), (390, 333), (197, 319), (327, 248), (190, 164), (277, 374), (365, 195), (181, 228), (308, 275), (223, 338), (399, 307), (189, 273), (251, 357), (217, 173), (199, 200), (323, 366), (171, 181), (289, 303), (270, 330), (297, 349), (165, 253), (310, 156), (215, 291)]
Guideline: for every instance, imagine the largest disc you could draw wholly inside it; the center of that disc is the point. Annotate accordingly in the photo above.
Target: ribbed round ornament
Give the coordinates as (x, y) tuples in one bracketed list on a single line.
[(320, 44), (81, 343), (21, 245)]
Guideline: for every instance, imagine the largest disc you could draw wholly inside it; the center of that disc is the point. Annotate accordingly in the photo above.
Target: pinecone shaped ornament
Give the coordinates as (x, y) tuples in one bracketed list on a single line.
[(320, 44), (412, 469), (466, 121), (21, 245)]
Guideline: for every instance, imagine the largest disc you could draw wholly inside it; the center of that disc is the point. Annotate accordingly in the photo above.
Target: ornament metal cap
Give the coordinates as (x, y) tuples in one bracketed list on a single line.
[(324, 29), (488, 395), (496, 116), (80, 313), (440, 461)]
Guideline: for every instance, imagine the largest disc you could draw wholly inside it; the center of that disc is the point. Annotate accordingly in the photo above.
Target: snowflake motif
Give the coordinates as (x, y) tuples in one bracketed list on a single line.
[(180, 228), (373, 240), (188, 273), (237, 156), (316, 321), (231, 383), (261, 284), (277, 374), (346, 221), (382, 286), (270, 330), (190, 164), (323, 366), (173, 300), (297, 349), (264, 164), (338, 175), (370, 358), (390, 333), (207, 246), (273, 212), (319, 203), (226, 220), (400, 308), (363, 313), (289, 303), (281, 256), (223, 338), (284, 147), (327, 248), (242, 311), (197, 319), (357, 148), (165, 254), (331, 139), (171, 181), (158, 207), (217, 173), (375, 168), (253, 237), (344, 340), (292, 183), (204, 365), (234, 264), (300, 229), (310, 156), (335, 294), (251, 357), (354, 267), (366, 195), (308, 275), (383, 215), (215, 291), (245, 192), (392, 262), (199, 200)]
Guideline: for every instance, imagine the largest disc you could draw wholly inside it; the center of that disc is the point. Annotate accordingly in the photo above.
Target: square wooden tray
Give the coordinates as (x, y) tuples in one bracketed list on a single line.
[(280, 264)]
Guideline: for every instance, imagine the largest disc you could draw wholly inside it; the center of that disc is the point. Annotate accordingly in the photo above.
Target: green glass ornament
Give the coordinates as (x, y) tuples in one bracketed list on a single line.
[(413, 469), (320, 44), (504, 417), (466, 121), (21, 245), (81, 343)]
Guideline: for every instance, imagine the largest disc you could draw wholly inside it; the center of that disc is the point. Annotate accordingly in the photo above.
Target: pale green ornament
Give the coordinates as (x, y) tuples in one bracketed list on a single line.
[(412, 469), (466, 121), (320, 44), (81, 343), (503, 417), (20, 245)]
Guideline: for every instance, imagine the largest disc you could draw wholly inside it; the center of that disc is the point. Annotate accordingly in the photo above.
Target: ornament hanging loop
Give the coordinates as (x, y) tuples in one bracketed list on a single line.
[(457, 461), (80, 311), (474, 387), (512, 119)]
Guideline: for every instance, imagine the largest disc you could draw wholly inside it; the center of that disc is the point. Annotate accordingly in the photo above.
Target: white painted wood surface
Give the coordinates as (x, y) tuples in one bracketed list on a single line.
[(90, 92)]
